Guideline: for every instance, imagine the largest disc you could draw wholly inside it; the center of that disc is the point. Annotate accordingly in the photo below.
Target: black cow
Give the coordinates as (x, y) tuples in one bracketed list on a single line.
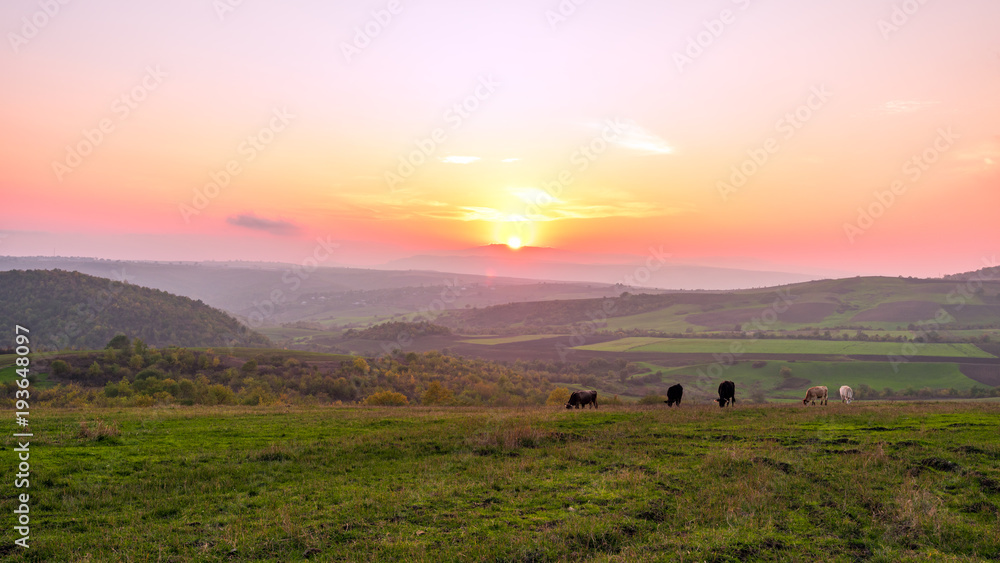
[(580, 399), (674, 395), (727, 394)]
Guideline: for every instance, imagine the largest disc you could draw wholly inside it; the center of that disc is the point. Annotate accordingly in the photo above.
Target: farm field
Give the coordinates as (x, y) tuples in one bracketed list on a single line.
[(508, 339), (696, 483), (776, 346), (877, 375)]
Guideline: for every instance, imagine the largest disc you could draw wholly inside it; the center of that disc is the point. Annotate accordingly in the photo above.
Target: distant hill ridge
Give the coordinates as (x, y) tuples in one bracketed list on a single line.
[(73, 310), (875, 302)]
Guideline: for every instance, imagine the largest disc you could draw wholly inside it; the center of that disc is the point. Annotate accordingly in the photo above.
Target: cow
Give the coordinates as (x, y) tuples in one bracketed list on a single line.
[(727, 394), (674, 395), (846, 394), (817, 393), (580, 399)]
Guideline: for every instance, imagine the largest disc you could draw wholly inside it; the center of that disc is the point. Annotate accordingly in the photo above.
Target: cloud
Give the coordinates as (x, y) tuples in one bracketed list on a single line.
[(896, 107), (275, 227), (644, 141), (459, 159), (630, 135)]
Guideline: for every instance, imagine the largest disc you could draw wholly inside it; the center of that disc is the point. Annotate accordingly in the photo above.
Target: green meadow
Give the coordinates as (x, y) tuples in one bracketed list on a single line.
[(785, 346), (877, 375), (881, 482)]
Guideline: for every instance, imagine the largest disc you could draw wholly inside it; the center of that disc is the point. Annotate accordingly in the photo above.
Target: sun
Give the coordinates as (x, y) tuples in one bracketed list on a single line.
[(514, 242)]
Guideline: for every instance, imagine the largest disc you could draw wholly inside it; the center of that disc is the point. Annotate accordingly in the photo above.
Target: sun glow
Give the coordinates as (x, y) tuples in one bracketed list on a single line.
[(514, 242)]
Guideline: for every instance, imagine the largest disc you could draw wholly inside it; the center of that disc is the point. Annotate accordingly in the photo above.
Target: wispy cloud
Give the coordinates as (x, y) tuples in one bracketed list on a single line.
[(895, 107), (644, 141), (274, 226)]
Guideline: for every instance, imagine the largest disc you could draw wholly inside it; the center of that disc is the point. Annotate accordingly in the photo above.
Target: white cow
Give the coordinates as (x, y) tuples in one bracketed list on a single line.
[(846, 394)]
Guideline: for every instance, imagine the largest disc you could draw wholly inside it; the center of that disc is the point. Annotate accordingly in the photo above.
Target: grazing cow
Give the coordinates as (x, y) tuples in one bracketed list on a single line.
[(674, 395), (814, 394), (580, 399), (846, 394), (727, 394)]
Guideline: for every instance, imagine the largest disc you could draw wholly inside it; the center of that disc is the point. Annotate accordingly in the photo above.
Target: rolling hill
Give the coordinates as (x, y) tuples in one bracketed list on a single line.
[(73, 310), (872, 303)]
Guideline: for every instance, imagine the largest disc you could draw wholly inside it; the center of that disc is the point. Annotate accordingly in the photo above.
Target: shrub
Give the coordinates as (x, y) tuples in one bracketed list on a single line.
[(558, 396), (387, 399), (60, 368)]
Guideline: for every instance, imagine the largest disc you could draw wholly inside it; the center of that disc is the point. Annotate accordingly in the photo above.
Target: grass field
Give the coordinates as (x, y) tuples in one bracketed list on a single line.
[(877, 375), (775, 346), (9, 373), (872, 482)]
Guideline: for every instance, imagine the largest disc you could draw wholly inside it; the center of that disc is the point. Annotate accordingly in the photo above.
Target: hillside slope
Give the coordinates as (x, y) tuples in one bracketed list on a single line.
[(73, 310), (870, 302)]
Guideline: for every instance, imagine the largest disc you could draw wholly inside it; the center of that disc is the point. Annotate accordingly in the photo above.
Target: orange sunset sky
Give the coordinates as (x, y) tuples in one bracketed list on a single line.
[(859, 136)]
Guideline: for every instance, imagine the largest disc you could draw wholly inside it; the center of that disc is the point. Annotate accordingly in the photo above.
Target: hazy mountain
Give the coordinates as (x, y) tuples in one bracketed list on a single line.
[(654, 271), (273, 293)]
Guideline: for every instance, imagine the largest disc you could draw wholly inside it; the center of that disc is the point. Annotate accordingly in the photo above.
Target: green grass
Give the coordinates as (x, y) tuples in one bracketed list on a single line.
[(877, 375), (669, 319), (775, 346), (509, 339), (40, 381), (873, 482)]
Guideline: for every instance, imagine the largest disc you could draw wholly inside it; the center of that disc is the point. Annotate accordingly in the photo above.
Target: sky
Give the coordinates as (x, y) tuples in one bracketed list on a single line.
[(861, 136)]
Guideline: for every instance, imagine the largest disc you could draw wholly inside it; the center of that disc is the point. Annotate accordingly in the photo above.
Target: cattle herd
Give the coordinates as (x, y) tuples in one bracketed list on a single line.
[(727, 396)]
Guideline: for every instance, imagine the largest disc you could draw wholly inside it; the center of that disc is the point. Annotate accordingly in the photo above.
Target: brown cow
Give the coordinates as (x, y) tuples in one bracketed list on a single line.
[(814, 394)]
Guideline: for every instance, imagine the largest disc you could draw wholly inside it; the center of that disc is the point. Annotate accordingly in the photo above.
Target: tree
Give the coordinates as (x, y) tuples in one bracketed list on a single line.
[(785, 372), (95, 370), (136, 362), (60, 368), (119, 342), (139, 347), (437, 394), (360, 365), (558, 396)]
